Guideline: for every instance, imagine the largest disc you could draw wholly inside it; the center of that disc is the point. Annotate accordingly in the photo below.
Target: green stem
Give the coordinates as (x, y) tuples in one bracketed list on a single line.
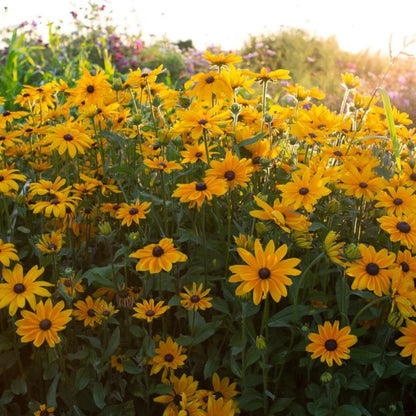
[(265, 328), (363, 309), (204, 245), (205, 138), (227, 254)]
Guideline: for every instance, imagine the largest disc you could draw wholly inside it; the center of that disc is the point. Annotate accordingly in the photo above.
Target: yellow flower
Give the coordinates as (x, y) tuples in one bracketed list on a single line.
[(265, 272), (402, 229), (205, 86), (331, 343), (265, 75), (8, 178), (132, 213), (168, 356), (43, 324), (196, 299), (221, 59), (88, 311), (333, 249), (148, 310), (7, 253), (350, 81), (157, 257), (408, 340), (50, 243)]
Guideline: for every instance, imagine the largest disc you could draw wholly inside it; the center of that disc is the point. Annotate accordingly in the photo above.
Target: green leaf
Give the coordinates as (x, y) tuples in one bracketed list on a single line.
[(18, 386), (113, 344), (251, 140), (130, 367), (103, 276), (348, 410), (366, 355), (51, 396), (125, 409), (392, 127), (281, 404), (250, 400), (6, 397), (82, 378), (98, 393), (284, 318)]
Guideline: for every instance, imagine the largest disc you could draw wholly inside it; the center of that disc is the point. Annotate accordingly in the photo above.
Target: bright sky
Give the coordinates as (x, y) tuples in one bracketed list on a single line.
[(357, 24)]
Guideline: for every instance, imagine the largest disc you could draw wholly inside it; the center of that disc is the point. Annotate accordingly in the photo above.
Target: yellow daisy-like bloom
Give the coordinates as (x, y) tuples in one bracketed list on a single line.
[(305, 190), (9, 116), (331, 343), (44, 411), (221, 59), (91, 89), (117, 362), (162, 164), (132, 212), (58, 207), (184, 385), (234, 170), (406, 264), (302, 94), (148, 310), (168, 356), (44, 324), (195, 152), (403, 293), (19, 288), (350, 81), (50, 243), (7, 253), (397, 201), (401, 229), (220, 407), (71, 286), (222, 388), (372, 271), (8, 178), (206, 85), (265, 272), (333, 249), (284, 216), (408, 340), (196, 192), (69, 137), (46, 187), (157, 257), (244, 241), (88, 311), (196, 298), (265, 75)]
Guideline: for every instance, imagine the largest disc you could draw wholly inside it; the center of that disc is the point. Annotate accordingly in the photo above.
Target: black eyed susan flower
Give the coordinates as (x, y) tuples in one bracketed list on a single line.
[(350, 81), (44, 323), (8, 178), (331, 343), (333, 249), (372, 271), (402, 229), (132, 212), (168, 357), (184, 385), (234, 170), (46, 187), (220, 407), (403, 293), (45, 411), (148, 310), (88, 311), (196, 192), (7, 253), (305, 189), (117, 362), (71, 285), (157, 257), (206, 85), (221, 59), (19, 288), (406, 263), (195, 152), (162, 164), (50, 243), (222, 388), (397, 201), (408, 340), (196, 298), (265, 272), (59, 206), (265, 75)]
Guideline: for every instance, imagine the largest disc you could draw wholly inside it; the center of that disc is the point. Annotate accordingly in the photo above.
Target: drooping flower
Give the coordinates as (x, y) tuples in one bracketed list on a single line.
[(157, 257), (331, 343), (7, 252), (265, 272), (333, 249), (44, 323), (148, 310), (8, 178), (196, 298), (408, 340), (372, 271), (20, 288)]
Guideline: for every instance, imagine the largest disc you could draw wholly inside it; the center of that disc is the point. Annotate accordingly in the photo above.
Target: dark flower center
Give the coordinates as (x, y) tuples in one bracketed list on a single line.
[(133, 211), (405, 267), (397, 201), (106, 313), (362, 185), (202, 122), (194, 298), (90, 89), (150, 313), (6, 113), (413, 176), (403, 227), (119, 360), (52, 246), (116, 207), (264, 273), (1, 178), (200, 186), (44, 413), (45, 324), (123, 293), (67, 283), (157, 251), (91, 313), (331, 345), (198, 154), (372, 269), (312, 135), (2, 138), (177, 399), (209, 80), (162, 164), (218, 395), (55, 202), (19, 288), (256, 160), (338, 153), (303, 191), (205, 399), (68, 137), (229, 175), (169, 358)]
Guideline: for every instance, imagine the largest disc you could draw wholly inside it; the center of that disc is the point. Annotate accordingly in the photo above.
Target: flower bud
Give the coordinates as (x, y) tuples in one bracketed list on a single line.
[(352, 252), (268, 118), (326, 377), (395, 319), (235, 109), (137, 119), (261, 228), (117, 84), (105, 228), (261, 342), (333, 206), (156, 101), (184, 101)]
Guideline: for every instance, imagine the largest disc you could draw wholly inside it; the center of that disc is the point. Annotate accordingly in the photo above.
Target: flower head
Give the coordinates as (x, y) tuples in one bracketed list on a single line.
[(196, 298), (7, 252), (132, 212), (168, 356), (148, 310)]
